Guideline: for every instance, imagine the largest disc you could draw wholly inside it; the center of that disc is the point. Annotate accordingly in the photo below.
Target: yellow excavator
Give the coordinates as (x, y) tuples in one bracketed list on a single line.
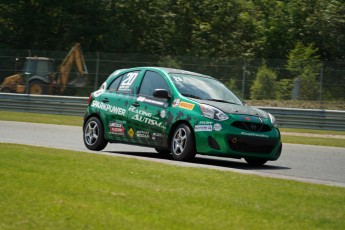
[(37, 75)]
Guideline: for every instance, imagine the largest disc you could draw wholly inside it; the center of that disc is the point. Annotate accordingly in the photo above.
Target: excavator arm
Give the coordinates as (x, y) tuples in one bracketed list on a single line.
[(64, 70)]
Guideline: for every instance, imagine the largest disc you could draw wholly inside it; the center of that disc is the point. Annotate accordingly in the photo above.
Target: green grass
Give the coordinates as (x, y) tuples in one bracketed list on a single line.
[(321, 141), (45, 188), (78, 121), (314, 131), (41, 118)]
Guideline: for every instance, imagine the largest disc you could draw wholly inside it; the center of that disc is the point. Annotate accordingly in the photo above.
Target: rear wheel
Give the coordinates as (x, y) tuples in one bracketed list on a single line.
[(93, 133), (38, 87), (183, 143), (256, 161)]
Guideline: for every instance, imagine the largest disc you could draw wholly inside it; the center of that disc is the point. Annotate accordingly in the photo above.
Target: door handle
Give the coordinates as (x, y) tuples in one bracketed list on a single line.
[(136, 104), (105, 100)]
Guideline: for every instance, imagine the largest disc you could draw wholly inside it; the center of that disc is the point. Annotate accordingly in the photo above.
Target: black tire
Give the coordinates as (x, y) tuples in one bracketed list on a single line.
[(93, 134), (163, 151), (256, 161), (183, 143), (38, 87)]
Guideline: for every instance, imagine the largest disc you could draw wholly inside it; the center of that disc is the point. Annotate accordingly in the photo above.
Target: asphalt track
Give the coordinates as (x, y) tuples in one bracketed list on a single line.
[(312, 164)]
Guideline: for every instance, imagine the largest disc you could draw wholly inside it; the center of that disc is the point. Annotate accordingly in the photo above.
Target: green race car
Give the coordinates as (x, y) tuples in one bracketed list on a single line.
[(178, 112)]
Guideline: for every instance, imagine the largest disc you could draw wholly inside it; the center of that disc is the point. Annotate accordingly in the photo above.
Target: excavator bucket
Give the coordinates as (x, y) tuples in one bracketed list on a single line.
[(79, 81)]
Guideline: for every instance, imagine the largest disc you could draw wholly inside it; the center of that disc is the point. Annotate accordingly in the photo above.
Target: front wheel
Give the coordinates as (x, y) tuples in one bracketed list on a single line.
[(93, 133), (183, 143), (256, 161)]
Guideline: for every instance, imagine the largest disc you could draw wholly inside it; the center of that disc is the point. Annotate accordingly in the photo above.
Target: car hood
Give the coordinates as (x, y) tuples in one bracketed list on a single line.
[(236, 109)]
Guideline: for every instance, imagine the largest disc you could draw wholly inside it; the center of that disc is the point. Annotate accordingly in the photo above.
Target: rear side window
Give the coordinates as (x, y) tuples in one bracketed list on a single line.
[(152, 81), (113, 87), (124, 83)]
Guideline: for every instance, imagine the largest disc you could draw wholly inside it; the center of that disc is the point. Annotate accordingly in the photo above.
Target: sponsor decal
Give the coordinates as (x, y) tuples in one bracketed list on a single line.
[(100, 90), (177, 79), (148, 121), (163, 114), (141, 99), (186, 105), (203, 128), (176, 102), (217, 127), (127, 82), (145, 117), (116, 128), (152, 102), (143, 134), (205, 122), (254, 134), (108, 108), (130, 132), (138, 111)]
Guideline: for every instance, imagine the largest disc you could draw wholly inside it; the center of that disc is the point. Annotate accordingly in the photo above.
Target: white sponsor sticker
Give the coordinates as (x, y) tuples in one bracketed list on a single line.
[(100, 90), (163, 113), (176, 102), (217, 127), (203, 128), (108, 108)]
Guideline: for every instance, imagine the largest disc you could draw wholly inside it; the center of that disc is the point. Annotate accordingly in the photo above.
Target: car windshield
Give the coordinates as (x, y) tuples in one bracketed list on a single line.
[(203, 88)]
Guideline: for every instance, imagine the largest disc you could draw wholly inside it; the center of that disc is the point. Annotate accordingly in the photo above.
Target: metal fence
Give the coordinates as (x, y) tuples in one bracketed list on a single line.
[(286, 117), (326, 83)]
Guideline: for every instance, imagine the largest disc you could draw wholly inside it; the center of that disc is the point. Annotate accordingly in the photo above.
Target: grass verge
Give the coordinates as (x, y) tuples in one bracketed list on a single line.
[(321, 141), (41, 118), (78, 121), (45, 188)]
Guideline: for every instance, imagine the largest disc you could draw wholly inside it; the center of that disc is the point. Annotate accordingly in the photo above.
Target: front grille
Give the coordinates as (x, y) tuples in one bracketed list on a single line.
[(251, 144), (251, 126)]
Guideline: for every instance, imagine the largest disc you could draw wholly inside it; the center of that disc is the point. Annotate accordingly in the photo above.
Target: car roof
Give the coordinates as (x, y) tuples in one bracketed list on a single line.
[(163, 69), (180, 71)]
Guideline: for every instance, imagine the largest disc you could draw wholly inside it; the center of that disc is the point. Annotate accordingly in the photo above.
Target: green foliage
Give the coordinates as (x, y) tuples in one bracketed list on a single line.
[(284, 89), (168, 61), (232, 85), (264, 84), (303, 62), (216, 28)]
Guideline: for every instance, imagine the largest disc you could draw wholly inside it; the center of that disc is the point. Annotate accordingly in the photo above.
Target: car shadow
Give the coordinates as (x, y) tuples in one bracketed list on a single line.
[(205, 160)]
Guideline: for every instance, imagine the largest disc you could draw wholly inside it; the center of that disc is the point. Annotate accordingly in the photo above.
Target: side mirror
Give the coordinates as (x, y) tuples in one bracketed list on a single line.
[(161, 93)]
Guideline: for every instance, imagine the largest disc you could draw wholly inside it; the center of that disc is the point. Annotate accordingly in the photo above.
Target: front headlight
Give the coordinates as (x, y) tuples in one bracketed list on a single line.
[(213, 113), (273, 120)]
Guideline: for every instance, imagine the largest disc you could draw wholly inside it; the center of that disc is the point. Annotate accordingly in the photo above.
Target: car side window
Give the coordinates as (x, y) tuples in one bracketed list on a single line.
[(152, 81), (127, 82), (115, 84)]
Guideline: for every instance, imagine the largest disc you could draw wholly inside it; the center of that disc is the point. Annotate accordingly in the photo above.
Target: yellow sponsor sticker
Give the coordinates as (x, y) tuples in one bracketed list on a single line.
[(131, 132), (186, 105)]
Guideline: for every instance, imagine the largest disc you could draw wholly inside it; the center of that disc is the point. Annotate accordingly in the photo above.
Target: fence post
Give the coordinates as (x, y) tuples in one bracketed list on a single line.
[(244, 77), (97, 71), (321, 82)]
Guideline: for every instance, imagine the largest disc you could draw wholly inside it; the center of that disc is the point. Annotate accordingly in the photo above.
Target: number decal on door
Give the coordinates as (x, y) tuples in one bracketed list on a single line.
[(127, 82)]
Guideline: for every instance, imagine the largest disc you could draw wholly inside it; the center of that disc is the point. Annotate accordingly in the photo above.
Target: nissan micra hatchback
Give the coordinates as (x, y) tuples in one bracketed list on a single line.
[(180, 113)]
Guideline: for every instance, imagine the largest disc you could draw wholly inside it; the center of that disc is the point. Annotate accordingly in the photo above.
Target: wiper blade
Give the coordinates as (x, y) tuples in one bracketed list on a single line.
[(190, 95), (219, 100)]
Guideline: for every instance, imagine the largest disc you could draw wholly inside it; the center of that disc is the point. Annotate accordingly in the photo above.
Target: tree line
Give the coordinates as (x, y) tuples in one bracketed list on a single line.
[(215, 28), (304, 33)]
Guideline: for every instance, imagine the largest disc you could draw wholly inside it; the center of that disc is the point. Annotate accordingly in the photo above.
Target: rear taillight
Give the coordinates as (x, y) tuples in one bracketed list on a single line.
[(89, 100)]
